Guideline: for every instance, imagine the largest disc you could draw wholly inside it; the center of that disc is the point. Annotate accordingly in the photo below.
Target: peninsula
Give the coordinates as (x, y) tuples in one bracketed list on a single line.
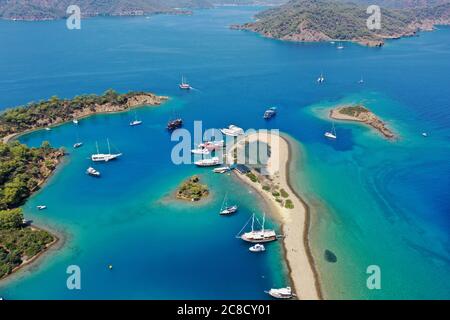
[(192, 190), (330, 20), (55, 111), (359, 113), (281, 199)]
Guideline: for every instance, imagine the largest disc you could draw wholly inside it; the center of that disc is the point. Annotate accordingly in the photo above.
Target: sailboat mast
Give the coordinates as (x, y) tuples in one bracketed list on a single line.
[(96, 144), (109, 147), (253, 222), (264, 221)]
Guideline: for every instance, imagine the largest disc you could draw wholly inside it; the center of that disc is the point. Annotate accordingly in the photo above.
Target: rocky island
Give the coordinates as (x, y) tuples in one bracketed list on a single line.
[(328, 20), (361, 114), (192, 190)]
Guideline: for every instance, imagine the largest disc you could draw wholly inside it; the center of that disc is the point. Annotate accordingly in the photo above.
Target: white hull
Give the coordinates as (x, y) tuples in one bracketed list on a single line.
[(222, 170), (257, 248), (232, 131), (260, 236), (208, 162), (330, 135), (104, 157), (200, 151)]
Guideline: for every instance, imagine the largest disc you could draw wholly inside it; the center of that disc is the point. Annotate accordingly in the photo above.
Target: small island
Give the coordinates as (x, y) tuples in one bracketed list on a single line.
[(359, 113), (55, 111), (192, 190)]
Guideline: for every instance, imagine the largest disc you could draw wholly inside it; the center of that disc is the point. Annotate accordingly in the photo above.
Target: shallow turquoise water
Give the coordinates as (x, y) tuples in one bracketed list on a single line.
[(373, 201)]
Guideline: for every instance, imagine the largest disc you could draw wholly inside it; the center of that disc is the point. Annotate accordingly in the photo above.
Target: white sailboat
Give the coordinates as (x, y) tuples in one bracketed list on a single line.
[(184, 85), (332, 134), (135, 122), (104, 157), (340, 46), (361, 81), (258, 236), (225, 209), (321, 79)]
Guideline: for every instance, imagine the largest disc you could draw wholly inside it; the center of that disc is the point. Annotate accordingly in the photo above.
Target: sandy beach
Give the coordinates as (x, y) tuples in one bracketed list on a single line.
[(295, 222)]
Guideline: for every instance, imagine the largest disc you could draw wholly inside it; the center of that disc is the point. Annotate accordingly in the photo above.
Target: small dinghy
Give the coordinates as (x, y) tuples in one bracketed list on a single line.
[(92, 172), (257, 248)]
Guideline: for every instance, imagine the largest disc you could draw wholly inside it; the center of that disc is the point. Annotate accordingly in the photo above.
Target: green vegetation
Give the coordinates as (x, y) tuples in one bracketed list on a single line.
[(17, 242), (22, 170), (324, 20), (56, 9), (284, 194), (288, 204), (252, 177), (192, 190), (54, 111), (353, 111), (266, 188), (276, 194)]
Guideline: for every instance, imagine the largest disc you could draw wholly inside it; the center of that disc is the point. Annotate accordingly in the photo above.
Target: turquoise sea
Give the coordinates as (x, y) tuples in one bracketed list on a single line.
[(373, 201)]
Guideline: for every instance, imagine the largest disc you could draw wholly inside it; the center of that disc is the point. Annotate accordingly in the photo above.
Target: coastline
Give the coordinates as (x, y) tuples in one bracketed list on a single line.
[(367, 118), (295, 223), (58, 242), (138, 104)]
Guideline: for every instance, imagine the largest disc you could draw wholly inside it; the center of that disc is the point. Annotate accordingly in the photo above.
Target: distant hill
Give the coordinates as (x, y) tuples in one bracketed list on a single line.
[(56, 9), (326, 20), (401, 4)]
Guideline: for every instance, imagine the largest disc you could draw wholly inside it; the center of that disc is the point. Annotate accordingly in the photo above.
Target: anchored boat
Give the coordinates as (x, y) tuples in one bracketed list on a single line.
[(258, 236), (226, 210), (208, 162), (332, 134), (232, 131), (257, 248), (270, 113), (282, 293), (92, 172), (105, 157)]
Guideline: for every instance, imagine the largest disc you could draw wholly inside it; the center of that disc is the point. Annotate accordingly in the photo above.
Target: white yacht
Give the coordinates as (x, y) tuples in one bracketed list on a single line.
[(257, 248), (135, 123), (340, 46), (232, 130), (200, 151), (221, 169), (282, 293), (92, 172), (226, 210), (208, 162), (424, 134), (48, 129), (257, 236), (41, 207), (75, 121), (105, 157), (331, 134), (77, 145), (211, 145)]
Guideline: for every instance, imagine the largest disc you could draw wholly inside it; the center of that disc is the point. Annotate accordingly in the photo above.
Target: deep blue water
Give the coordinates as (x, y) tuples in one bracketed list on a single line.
[(373, 201)]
